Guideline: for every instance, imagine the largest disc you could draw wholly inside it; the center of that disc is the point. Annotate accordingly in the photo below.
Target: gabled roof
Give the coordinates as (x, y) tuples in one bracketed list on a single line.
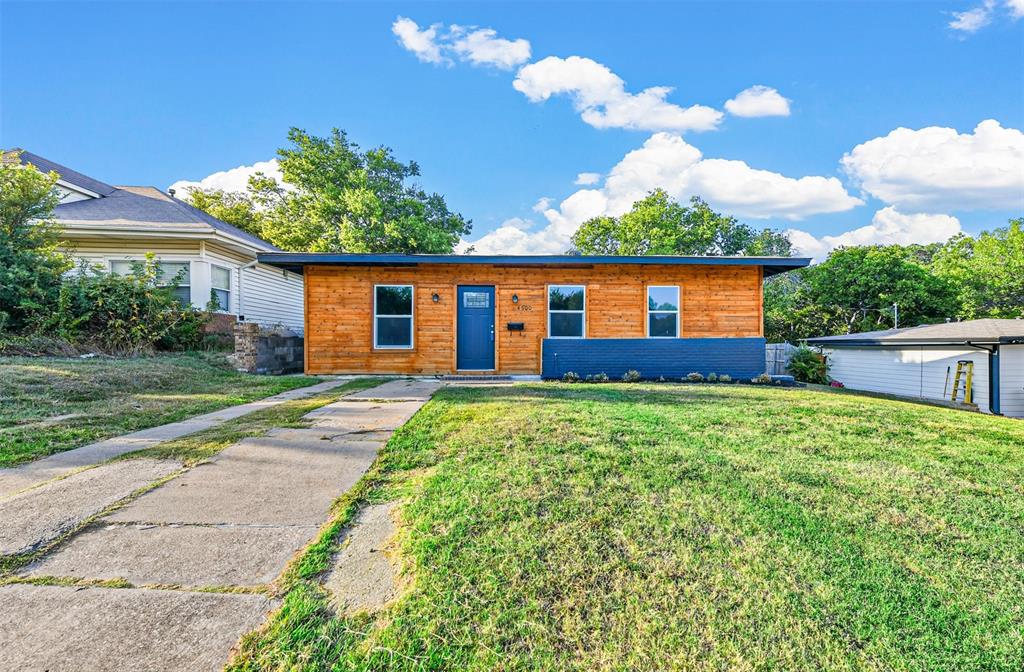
[(133, 208), (294, 261), (72, 177), (982, 332)]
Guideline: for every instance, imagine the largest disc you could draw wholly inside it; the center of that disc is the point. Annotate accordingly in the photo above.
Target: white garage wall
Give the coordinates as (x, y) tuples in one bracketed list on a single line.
[(1011, 378), (910, 372)]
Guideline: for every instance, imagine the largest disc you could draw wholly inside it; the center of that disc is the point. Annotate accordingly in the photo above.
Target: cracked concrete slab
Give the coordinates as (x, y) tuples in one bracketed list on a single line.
[(33, 518), (57, 628), (354, 415), (363, 578), (25, 476), (410, 389), (266, 480), (183, 555)]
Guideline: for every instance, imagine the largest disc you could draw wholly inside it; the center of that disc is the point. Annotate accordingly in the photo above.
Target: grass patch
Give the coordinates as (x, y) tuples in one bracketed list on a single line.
[(681, 527), (50, 404)]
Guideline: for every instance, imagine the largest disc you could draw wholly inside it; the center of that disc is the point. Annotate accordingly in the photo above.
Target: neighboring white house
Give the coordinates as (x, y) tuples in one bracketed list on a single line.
[(921, 361), (115, 226)]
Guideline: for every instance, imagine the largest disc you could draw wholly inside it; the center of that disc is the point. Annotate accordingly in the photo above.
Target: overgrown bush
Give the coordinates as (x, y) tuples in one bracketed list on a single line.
[(126, 314), (631, 376), (725, 378), (598, 378), (808, 366), (695, 377), (571, 377), (712, 377), (763, 379)]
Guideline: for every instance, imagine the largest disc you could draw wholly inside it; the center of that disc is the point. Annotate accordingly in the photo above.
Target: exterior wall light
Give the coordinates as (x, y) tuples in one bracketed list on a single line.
[(435, 297), (515, 298)]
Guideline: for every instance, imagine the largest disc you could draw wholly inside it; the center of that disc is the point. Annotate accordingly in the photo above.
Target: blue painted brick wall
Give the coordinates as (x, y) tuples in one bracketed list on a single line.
[(653, 357)]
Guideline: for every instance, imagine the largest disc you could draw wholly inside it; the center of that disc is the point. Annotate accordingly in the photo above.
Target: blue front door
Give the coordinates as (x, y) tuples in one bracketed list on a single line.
[(475, 346)]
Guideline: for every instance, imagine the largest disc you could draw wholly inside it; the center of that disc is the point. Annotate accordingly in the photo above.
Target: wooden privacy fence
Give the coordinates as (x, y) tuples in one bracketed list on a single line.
[(776, 356)]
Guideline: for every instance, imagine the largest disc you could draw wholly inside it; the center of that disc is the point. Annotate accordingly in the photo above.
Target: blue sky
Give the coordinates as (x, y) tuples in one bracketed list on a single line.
[(156, 93)]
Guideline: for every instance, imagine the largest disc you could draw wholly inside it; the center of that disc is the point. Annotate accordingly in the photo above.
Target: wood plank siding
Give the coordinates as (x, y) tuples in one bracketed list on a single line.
[(716, 301)]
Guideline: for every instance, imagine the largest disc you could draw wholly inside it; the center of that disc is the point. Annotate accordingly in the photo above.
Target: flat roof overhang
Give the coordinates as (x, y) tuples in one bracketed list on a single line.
[(827, 342), (296, 261)]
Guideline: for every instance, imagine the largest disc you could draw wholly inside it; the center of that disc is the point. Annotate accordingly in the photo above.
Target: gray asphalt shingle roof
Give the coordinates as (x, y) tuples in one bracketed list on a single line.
[(971, 331), (139, 207)]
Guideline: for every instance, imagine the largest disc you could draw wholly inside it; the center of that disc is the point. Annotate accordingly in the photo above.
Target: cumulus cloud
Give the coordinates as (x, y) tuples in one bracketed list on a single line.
[(668, 162), (937, 168), (758, 101), (542, 204), (600, 96), (422, 42), (587, 179), (887, 227), (1016, 8), (234, 179), (973, 20), (479, 46), (482, 46)]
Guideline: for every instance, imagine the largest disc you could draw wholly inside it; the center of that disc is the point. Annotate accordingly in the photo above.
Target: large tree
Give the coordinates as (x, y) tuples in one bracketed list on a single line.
[(30, 263), (988, 271), (854, 290), (657, 224), (336, 197)]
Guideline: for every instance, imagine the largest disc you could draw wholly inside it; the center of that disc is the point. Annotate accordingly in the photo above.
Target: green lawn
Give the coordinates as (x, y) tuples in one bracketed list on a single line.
[(709, 527), (50, 404)]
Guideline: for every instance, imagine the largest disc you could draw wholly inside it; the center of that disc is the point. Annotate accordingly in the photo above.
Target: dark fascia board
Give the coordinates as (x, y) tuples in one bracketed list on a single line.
[(294, 261)]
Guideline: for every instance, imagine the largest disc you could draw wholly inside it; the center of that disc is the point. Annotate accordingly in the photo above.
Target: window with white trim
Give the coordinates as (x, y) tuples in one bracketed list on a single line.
[(220, 287), (663, 311), (168, 272), (567, 311), (392, 316)]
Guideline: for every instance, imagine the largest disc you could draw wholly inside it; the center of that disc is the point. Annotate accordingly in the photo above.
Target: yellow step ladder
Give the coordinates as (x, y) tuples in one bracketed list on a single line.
[(964, 373)]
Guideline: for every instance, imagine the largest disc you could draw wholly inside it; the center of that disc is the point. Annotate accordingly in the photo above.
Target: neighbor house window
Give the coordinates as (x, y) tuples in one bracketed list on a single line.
[(220, 287), (663, 312), (168, 270), (566, 311), (392, 316)]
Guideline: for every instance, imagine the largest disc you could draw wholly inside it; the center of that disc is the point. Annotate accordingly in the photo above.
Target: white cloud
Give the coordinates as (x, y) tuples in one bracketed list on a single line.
[(235, 179), (973, 20), (600, 97), (1016, 8), (542, 204), (587, 179), (758, 101), (482, 46), (887, 227), (423, 42), (668, 162), (936, 168)]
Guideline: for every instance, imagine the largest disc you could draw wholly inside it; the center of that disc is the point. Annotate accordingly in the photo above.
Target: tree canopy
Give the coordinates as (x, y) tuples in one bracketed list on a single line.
[(336, 197), (657, 224)]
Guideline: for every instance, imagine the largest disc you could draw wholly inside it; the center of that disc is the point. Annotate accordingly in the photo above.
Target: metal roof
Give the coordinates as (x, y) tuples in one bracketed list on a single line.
[(295, 261), (982, 332)]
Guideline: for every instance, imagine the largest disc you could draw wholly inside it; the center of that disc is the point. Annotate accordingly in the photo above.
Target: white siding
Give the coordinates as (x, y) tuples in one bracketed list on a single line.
[(1011, 378), (262, 294), (910, 372), (271, 296)]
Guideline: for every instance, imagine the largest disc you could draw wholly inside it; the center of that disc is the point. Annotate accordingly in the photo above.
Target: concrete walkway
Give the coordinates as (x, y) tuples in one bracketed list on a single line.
[(28, 475), (233, 522)]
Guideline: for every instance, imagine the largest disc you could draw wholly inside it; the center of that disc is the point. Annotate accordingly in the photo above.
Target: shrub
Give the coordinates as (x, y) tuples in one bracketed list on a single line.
[(712, 377), (571, 377), (836, 383), (125, 315), (662, 379), (763, 379), (598, 378), (725, 378), (694, 377), (808, 366), (631, 376)]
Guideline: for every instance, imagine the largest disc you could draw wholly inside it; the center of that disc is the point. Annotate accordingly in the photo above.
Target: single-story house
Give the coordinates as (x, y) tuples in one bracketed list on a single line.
[(921, 362), (528, 315), (111, 227)]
